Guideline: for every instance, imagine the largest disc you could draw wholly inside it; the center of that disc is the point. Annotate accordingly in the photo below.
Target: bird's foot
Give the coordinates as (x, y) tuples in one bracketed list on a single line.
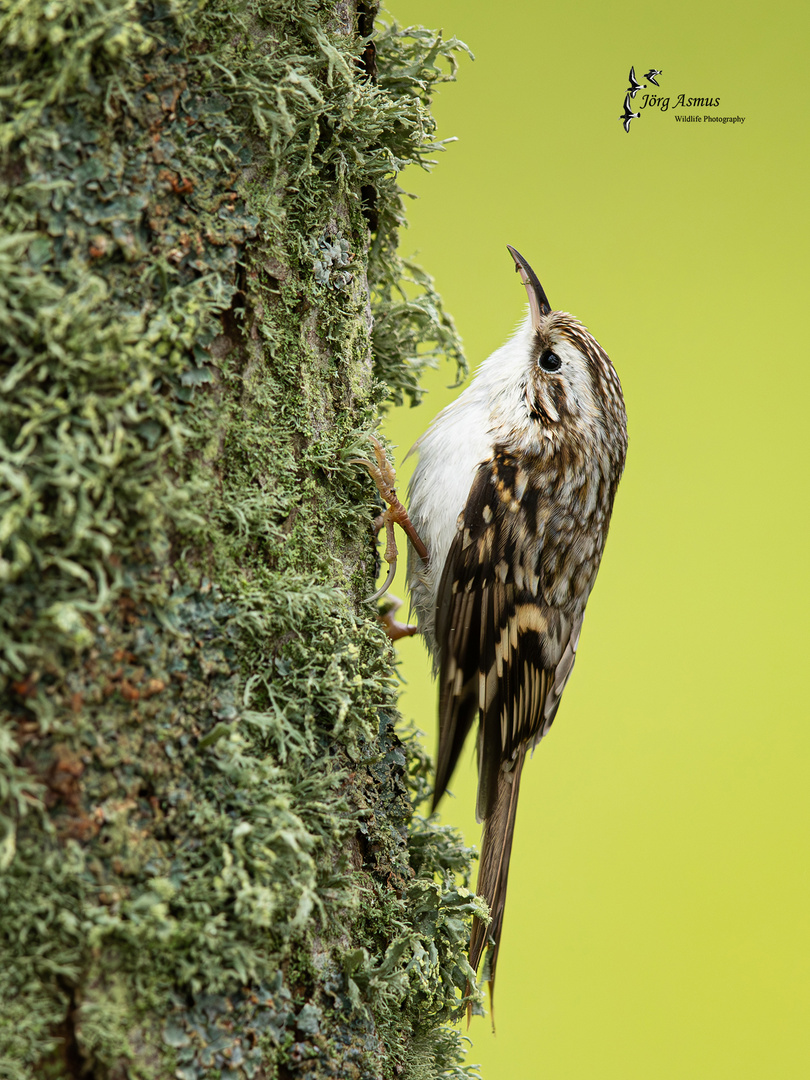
[(382, 471), (384, 476)]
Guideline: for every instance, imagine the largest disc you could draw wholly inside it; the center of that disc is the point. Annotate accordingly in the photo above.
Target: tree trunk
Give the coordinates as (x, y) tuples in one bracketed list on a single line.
[(211, 865)]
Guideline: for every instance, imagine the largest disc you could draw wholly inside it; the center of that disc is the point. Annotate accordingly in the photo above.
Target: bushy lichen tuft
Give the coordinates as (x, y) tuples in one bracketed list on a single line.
[(210, 864)]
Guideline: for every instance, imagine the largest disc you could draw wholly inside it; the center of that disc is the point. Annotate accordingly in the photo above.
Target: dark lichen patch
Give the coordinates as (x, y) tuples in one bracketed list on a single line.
[(209, 860)]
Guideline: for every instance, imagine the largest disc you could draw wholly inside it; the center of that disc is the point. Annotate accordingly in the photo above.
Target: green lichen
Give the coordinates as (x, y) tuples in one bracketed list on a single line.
[(210, 864)]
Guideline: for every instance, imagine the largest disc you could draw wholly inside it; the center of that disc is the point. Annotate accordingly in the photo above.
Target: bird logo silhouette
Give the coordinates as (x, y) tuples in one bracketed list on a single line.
[(650, 76), (635, 85), (628, 114)]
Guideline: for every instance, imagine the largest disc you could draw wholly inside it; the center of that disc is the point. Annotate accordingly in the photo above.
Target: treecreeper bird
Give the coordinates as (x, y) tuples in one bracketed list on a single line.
[(510, 504)]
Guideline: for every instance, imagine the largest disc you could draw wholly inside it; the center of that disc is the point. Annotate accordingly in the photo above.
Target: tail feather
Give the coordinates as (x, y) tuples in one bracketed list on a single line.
[(496, 848)]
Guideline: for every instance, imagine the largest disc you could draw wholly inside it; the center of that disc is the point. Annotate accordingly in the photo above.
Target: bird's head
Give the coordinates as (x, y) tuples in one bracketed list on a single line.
[(571, 395)]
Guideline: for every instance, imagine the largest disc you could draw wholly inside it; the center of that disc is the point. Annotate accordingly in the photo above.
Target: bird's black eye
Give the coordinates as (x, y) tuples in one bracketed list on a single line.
[(549, 361)]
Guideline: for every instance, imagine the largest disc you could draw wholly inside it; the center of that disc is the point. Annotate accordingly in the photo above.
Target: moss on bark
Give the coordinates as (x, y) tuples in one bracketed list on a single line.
[(210, 864)]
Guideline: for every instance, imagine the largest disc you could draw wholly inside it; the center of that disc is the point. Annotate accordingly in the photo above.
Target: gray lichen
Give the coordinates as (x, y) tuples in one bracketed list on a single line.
[(329, 258)]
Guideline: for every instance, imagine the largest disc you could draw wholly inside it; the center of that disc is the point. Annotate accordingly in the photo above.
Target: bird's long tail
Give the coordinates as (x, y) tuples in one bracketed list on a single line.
[(496, 847)]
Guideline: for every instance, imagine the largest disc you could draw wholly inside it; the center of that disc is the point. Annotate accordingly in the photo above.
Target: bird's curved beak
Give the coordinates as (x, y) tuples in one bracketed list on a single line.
[(538, 301)]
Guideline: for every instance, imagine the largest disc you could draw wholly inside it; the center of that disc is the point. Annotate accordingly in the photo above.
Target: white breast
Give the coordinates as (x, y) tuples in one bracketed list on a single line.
[(456, 443)]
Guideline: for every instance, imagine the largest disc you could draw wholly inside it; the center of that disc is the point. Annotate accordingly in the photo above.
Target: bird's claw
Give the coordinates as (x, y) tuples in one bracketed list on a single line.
[(384, 475), (382, 471), (383, 589)]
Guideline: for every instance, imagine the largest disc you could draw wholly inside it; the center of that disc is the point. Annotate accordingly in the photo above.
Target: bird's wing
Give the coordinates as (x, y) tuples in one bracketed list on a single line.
[(505, 653)]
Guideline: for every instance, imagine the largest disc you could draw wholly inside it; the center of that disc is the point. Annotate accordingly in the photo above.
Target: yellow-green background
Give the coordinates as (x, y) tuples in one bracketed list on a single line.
[(657, 923)]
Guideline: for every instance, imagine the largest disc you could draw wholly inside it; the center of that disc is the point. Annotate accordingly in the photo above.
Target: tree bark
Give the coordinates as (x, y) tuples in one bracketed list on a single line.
[(210, 864)]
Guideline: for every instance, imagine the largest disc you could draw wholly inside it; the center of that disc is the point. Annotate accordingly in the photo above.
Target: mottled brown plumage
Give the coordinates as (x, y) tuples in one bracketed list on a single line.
[(512, 497), (509, 611)]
